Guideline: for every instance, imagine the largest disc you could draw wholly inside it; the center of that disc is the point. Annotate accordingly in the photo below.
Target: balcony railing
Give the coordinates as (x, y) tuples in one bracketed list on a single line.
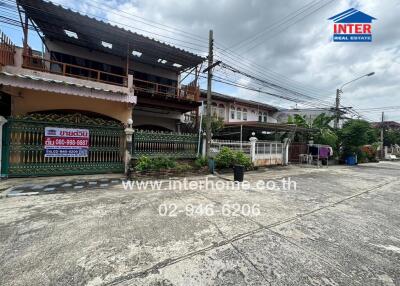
[(169, 91), (7, 50), (65, 69)]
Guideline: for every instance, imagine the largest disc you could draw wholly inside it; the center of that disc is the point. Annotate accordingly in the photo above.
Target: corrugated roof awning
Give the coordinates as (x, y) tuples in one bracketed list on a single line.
[(62, 87), (267, 126), (62, 24)]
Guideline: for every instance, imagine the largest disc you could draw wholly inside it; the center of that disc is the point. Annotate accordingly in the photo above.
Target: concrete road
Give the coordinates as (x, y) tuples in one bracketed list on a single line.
[(340, 226)]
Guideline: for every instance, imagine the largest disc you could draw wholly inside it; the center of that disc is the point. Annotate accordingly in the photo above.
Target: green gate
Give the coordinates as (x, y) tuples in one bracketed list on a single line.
[(170, 144), (24, 153)]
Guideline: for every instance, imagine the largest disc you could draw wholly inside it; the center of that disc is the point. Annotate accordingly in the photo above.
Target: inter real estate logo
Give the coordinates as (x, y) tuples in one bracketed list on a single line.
[(352, 26)]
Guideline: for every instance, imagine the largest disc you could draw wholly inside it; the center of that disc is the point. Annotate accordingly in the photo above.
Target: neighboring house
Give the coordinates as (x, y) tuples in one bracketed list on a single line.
[(243, 117), (308, 113), (388, 125), (92, 75), (234, 110)]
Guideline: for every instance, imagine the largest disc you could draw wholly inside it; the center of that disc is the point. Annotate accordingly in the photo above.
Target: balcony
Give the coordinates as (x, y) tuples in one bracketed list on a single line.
[(148, 88), (55, 67), (141, 87), (7, 50)]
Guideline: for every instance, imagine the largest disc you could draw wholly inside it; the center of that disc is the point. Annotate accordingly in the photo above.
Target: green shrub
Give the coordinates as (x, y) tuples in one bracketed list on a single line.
[(159, 163), (183, 167), (145, 163), (200, 162), (362, 157), (226, 158), (242, 159)]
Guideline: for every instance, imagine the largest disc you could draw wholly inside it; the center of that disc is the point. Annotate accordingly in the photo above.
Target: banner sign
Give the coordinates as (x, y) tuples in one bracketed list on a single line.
[(66, 142)]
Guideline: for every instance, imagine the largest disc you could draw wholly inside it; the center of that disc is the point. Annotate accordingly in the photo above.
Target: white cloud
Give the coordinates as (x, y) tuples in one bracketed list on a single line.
[(303, 52)]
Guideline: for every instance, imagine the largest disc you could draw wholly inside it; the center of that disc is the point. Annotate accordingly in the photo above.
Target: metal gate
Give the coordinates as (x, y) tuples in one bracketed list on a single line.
[(295, 149), (24, 153)]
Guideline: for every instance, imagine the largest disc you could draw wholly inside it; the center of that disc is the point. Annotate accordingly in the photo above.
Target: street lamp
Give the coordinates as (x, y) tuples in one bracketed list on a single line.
[(339, 91)]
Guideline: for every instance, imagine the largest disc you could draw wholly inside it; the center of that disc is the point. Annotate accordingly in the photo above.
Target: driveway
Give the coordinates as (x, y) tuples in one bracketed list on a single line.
[(340, 226)]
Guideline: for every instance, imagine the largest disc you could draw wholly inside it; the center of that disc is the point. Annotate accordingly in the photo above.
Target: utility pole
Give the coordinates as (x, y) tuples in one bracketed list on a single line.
[(25, 43), (209, 98), (337, 109), (382, 129)]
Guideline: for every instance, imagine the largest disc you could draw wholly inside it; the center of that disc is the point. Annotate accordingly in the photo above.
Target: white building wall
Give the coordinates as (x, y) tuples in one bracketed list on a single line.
[(252, 112)]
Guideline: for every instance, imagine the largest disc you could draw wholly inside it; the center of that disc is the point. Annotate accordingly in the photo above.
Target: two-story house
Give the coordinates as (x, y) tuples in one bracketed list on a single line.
[(235, 110), (91, 76), (240, 116)]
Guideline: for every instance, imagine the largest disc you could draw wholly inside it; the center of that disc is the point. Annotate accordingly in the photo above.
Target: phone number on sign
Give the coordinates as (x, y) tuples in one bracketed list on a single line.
[(172, 210)]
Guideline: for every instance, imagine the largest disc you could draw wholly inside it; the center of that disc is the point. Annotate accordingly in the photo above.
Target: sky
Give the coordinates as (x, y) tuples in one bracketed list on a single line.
[(298, 54)]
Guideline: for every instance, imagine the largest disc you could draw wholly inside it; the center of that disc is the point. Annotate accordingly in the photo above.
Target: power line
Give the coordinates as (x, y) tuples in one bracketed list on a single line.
[(291, 24), (273, 26)]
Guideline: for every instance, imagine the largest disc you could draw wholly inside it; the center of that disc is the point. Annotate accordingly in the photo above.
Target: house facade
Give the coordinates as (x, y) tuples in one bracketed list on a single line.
[(91, 76), (235, 110)]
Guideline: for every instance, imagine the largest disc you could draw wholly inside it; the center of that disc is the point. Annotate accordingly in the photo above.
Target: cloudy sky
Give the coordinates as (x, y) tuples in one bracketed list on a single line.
[(285, 42)]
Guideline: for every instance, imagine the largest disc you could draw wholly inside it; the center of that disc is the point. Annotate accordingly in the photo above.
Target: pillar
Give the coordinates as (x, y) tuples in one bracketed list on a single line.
[(128, 132), (253, 141), (2, 122)]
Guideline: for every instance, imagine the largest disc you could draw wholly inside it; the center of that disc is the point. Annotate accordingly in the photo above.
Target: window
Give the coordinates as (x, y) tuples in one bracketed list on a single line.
[(232, 112), (162, 61), (239, 114), (259, 117), (265, 117), (177, 65), (245, 114), (221, 111)]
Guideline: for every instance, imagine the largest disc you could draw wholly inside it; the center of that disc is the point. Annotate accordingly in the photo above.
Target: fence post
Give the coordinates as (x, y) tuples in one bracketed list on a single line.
[(203, 145), (285, 151), (128, 132), (253, 141)]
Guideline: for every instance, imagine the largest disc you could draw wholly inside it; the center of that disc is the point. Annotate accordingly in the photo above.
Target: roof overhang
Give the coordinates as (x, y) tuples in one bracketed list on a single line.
[(54, 20), (30, 82), (231, 99), (265, 126)]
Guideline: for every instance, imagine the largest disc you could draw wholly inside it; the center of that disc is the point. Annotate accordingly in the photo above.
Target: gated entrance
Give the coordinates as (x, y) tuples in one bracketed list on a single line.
[(24, 152), (295, 149)]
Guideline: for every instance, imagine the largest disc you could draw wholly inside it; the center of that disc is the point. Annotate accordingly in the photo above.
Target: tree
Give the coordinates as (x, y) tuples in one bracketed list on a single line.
[(217, 124), (354, 134), (322, 132), (325, 134), (391, 137)]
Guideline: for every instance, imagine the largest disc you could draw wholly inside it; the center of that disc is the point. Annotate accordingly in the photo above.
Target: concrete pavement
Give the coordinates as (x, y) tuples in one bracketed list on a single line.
[(341, 226)]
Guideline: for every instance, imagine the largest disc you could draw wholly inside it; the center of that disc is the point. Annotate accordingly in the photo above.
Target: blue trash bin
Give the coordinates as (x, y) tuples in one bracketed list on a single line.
[(351, 160)]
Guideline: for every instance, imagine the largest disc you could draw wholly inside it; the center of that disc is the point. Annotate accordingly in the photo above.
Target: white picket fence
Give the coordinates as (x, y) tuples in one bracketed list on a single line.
[(217, 145), (261, 153)]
